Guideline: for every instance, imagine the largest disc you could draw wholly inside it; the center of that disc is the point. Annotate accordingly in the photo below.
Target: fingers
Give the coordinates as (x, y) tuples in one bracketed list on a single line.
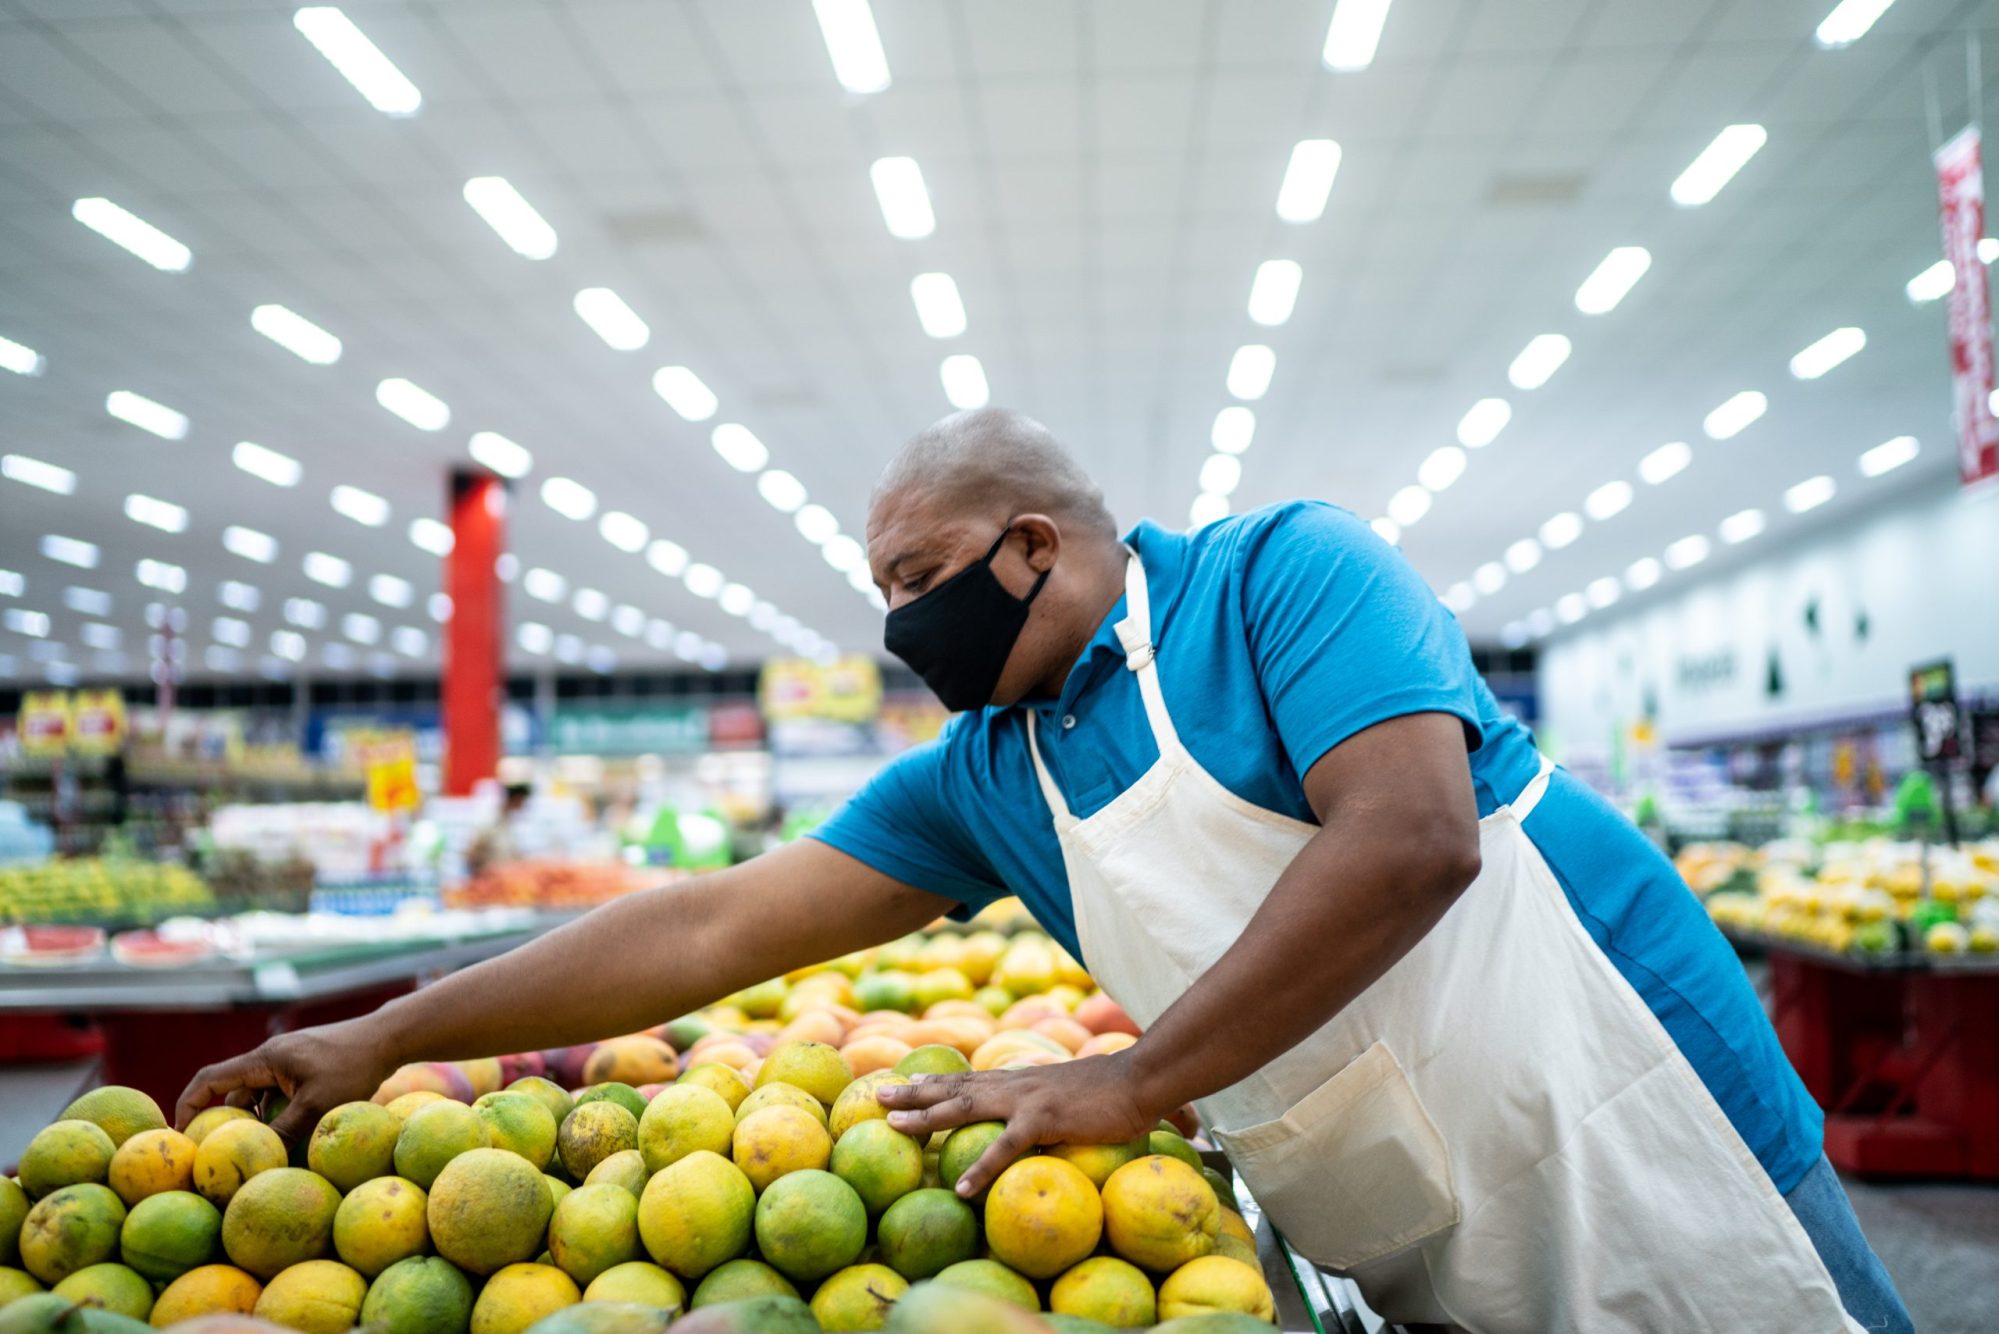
[(949, 1114), (297, 1120), (226, 1079), (924, 1091), (1015, 1140)]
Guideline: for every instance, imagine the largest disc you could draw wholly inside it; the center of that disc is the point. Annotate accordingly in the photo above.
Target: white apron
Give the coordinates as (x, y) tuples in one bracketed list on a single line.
[(1498, 1135)]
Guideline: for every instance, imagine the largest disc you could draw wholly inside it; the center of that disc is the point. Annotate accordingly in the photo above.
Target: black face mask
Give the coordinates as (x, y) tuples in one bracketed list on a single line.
[(957, 636)]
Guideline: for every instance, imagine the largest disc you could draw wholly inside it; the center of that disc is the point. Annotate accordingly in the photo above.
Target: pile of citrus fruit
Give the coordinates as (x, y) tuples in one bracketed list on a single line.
[(733, 1170)]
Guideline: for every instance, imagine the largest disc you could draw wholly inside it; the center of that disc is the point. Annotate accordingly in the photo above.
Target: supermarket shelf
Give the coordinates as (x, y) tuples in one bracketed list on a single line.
[(1901, 961)]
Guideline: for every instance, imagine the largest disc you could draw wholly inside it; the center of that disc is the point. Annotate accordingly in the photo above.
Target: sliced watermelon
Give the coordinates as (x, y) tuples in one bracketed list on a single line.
[(145, 949), (50, 944)]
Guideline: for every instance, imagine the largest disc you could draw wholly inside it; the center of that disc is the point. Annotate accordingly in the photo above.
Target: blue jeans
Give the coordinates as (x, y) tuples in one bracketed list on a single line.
[(1865, 1289)]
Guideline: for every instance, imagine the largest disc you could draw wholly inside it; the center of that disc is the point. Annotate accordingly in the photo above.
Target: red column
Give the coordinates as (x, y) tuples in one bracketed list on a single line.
[(473, 685)]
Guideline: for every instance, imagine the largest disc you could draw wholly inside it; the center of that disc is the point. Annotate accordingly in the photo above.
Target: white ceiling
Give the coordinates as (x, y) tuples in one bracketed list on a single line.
[(1103, 176)]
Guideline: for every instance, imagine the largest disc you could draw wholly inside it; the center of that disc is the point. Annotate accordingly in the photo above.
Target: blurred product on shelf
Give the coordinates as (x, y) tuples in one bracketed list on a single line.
[(99, 891), (21, 839), (551, 884)]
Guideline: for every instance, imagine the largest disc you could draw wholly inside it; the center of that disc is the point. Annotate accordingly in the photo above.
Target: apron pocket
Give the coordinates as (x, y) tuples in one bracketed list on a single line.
[(1355, 1171)]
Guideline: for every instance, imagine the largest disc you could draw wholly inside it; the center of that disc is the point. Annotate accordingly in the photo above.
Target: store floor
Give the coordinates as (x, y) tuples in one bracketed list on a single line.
[(1941, 1242)]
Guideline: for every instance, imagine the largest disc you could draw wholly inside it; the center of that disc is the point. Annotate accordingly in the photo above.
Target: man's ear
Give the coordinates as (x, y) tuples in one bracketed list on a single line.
[(1044, 540)]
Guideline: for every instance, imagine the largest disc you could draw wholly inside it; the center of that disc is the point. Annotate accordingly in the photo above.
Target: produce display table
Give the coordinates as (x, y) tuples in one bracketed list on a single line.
[(1902, 1051), (160, 1025)]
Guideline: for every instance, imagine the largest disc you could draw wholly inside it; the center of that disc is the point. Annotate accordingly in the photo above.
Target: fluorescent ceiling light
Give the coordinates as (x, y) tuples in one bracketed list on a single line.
[(659, 634), (1221, 474), (329, 570), (544, 584), (87, 601), (142, 412), (217, 658), (781, 490), (1665, 463), (623, 531), (669, 558), (238, 596), (296, 334), (96, 634), (1888, 455), (360, 627), (1828, 352), (1716, 166), (1541, 620), (1354, 33), (415, 405), (1459, 597), (938, 307), (1444, 465), (525, 231), (816, 524), (390, 591), (1688, 552), (33, 472), (1234, 428), (34, 624), (1408, 506), (305, 612), (1523, 555), (861, 580), (685, 393), (844, 554), (1612, 279), (1735, 416), (359, 60), (1250, 370), (337, 657), (1308, 180), (688, 645), (905, 203), (229, 630), (155, 513), (1387, 530), (1988, 249), (1849, 22), (534, 637), (763, 616), (439, 607), (1481, 425), (363, 507), (628, 620), (492, 450), (288, 644), (591, 604), (1602, 592), (409, 641), (1538, 361), (703, 581), (266, 464), (1489, 578), (1570, 608), (964, 380), (427, 534), (20, 358), (1741, 526), (853, 43), (1514, 634), (1642, 574), (1561, 530), (1931, 283), (1273, 293), (12, 583), (160, 574), (1608, 500), (736, 599), (253, 545), (132, 233), (569, 498), (739, 447), (611, 319), (69, 551), (1810, 494)]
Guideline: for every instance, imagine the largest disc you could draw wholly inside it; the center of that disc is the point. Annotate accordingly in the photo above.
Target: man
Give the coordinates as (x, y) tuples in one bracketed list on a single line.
[(1459, 1026)]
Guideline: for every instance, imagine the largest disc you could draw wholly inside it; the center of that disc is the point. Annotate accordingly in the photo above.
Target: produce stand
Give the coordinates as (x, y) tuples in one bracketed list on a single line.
[(161, 1024), (1901, 1049)]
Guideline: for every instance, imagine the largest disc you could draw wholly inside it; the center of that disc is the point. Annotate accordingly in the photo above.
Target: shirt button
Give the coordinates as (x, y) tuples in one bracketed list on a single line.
[(1068, 721)]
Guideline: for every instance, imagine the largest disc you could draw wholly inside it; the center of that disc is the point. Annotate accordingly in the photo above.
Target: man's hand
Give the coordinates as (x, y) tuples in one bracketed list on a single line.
[(1091, 1101), (318, 1069)]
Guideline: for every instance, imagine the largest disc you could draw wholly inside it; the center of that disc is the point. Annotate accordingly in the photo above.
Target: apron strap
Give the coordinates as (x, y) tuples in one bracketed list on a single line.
[(1530, 796), (1049, 792), (1134, 634)]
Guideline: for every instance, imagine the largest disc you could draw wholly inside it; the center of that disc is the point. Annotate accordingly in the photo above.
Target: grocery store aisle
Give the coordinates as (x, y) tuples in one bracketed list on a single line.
[(1941, 1244)]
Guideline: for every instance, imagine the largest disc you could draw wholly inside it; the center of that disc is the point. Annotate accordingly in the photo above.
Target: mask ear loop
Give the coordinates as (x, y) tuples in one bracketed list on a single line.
[(994, 550)]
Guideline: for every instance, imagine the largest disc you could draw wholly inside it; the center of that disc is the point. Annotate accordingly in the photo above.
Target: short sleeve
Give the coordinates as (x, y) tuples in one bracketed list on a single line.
[(1344, 634), (902, 824)]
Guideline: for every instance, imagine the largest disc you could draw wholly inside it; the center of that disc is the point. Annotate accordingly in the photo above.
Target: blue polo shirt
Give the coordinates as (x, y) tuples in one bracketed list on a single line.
[(1281, 633)]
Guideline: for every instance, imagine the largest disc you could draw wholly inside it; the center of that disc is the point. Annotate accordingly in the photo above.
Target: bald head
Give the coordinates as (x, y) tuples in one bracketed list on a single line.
[(994, 463)]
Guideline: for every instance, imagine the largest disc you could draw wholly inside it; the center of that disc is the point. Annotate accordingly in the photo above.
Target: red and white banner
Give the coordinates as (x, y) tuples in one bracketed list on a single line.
[(1961, 195)]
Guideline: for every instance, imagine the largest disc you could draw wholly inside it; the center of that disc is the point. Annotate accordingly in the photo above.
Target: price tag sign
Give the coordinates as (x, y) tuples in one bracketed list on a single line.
[(388, 761), (1933, 710)]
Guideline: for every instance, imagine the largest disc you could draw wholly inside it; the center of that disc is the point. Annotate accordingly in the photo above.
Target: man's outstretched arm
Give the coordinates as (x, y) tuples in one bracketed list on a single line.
[(634, 962)]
